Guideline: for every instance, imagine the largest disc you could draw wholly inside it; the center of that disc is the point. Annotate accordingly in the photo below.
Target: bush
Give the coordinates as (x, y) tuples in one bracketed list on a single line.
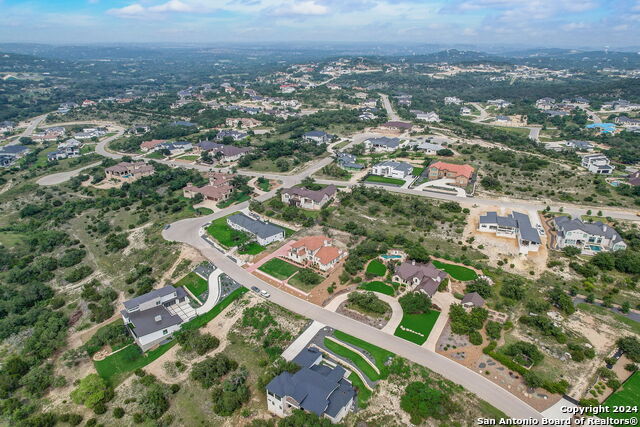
[(118, 412), (199, 343), (100, 408), (631, 347), (421, 401), (207, 372), (475, 338), (480, 286), (493, 329), (415, 303), (524, 353), (367, 301), (532, 379), (92, 391)]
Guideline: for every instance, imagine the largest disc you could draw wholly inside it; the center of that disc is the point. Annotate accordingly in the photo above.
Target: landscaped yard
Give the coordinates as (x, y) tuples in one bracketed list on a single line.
[(196, 284), (204, 211), (384, 180), (278, 268), (304, 286), (189, 157), (252, 248), (628, 395), (422, 323), (377, 286), (241, 198), (364, 394), (376, 268), (457, 272), (379, 354), (417, 171), (357, 360), (225, 235), (155, 155)]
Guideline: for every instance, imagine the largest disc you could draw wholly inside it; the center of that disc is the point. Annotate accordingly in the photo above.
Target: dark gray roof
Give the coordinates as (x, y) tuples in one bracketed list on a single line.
[(13, 149), (145, 323), (565, 224), (473, 298), (424, 272), (506, 221), (316, 133), (318, 389), (259, 228), (183, 123), (405, 167), (315, 195), (527, 232), (385, 141), (489, 218), (156, 293), (307, 357)]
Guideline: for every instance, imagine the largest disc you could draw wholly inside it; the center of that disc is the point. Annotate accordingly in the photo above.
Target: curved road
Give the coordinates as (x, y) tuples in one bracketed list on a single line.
[(188, 231)]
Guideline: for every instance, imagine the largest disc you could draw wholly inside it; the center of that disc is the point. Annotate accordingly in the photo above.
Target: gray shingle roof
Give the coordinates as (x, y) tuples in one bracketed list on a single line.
[(527, 232), (149, 296), (473, 298), (261, 229), (385, 141), (315, 195), (402, 166), (145, 323), (565, 224)]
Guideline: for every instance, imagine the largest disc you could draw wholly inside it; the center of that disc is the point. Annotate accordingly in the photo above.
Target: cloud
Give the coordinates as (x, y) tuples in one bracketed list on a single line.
[(128, 11), (306, 8), (136, 10)]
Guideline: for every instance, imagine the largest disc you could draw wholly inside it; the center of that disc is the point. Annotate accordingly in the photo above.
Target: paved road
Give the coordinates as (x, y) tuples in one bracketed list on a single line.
[(391, 114), (534, 133), (592, 115), (187, 231), (59, 178)]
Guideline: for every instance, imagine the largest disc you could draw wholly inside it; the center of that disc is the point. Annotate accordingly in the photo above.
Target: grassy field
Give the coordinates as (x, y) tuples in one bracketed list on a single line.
[(516, 130), (417, 171), (355, 358), (377, 286), (384, 180), (380, 355), (294, 281), (278, 268), (204, 211), (196, 284), (364, 394), (376, 268), (458, 272), (155, 155), (225, 235), (189, 157), (229, 202), (422, 323), (628, 395), (252, 248)]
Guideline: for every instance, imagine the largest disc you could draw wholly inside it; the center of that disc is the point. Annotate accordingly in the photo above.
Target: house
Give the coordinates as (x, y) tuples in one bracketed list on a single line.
[(503, 119), (452, 100), (264, 232), (129, 172), (461, 174), (66, 149), (634, 178), (320, 386), (556, 113), (465, 111), (590, 237), (429, 148), (404, 100), (545, 103), (366, 115), (383, 144), (138, 129), (149, 319), (7, 126), (397, 126), (317, 136), (6, 160), (65, 107), (228, 153), (16, 151), (419, 277), (348, 161), (317, 251), (516, 225), (431, 116), (308, 199), (626, 121), (174, 148), (183, 123), (598, 164), (233, 134), (151, 145), (579, 145), (499, 103), (88, 103), (215, 193), (244, 122), (391, 169), (472, 300)]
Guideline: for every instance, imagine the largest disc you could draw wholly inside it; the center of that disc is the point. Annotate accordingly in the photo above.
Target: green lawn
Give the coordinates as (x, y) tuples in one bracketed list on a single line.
[(241, 198), (385, 180), (196, 284), (225, 235), (376, 268), (627, 395), (252, 248), (417, 171), (278, 268), (422, 323), (355, 358), (189, 157), (380, 355), (457, 272), (364, 394), (204, 211), (377, 286), (294, 281), (264, 186), (115, 368), (155, 155)]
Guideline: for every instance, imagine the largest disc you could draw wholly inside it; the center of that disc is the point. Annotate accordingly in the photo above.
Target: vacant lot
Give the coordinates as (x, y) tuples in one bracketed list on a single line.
[(278, 268), (421, 323), (457, 272)]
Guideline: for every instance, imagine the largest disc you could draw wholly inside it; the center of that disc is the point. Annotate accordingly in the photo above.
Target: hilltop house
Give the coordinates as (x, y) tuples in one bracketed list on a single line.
[(465, 111), (244, 122), (383, 144), (391, 169), (516, 225), (626, 121), (228, 153), (218, 189), (348, 161), (174, 148), (448, 100), (317, 251), (634, 178), (128, 172), (431, 116), (320, 386), (589, 237), (151, 318), (598, 164), (317, 136), (66, 149), (233, 134), (151, 145), (308, 199), (264, 232), (419, 277), (579, 145), (461, 174), (10, 153), (429, 148)]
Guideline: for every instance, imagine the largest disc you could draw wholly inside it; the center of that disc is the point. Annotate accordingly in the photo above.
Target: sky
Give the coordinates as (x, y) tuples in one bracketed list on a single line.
[(535, 23)]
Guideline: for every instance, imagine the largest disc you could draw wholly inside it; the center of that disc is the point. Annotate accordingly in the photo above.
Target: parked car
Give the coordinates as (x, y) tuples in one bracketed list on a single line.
[(255, 289), (265, 293)]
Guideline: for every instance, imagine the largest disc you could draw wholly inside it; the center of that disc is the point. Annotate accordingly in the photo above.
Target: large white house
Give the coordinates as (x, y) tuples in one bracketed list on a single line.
[(516, 226), (264, 232), (383, 144), (320, 386), (149, 319), (589, 237), (390, 169), (308, 199), (598, 164)]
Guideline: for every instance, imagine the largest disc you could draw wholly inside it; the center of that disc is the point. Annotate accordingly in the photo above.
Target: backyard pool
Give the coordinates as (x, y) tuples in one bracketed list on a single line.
[(385, 256)]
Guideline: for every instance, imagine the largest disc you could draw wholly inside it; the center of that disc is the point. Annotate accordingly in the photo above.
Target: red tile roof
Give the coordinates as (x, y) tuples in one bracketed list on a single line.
[(464, 170), (326, 254)]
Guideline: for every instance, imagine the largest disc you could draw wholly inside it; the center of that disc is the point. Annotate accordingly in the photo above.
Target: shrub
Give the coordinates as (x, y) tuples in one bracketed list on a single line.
[(207, 372), (367, 301), (118, 412), (415, 303)]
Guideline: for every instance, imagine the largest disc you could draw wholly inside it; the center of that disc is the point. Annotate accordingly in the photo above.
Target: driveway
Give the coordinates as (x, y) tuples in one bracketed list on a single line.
[(396, 310)]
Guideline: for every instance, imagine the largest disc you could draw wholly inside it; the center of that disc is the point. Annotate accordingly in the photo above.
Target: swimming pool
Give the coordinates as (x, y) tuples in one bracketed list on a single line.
[(594, 248), (390, 256)]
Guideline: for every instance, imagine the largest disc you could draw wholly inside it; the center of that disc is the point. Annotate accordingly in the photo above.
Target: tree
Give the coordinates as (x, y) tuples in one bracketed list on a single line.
[(532, 379), (415, 303), (421, 401), (562, 301), (444, 152), (493, 329), (490, 183), (513, 288), (211, 369), (300, 418), (481, 286), (154, 403), (308, 277), (631, 347), (570, 251), (92, 391)]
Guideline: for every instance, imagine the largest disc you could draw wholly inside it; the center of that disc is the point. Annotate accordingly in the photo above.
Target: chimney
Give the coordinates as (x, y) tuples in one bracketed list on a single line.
[(413, 262), (158, 318), (604, 227)]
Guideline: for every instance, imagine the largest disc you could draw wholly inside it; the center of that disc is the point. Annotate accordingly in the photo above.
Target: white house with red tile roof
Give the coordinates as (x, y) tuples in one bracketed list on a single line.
[(317, 251), (461, 174)]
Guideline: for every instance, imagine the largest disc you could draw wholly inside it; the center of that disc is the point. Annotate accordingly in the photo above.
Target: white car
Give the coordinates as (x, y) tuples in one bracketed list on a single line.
[(265, 294)]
